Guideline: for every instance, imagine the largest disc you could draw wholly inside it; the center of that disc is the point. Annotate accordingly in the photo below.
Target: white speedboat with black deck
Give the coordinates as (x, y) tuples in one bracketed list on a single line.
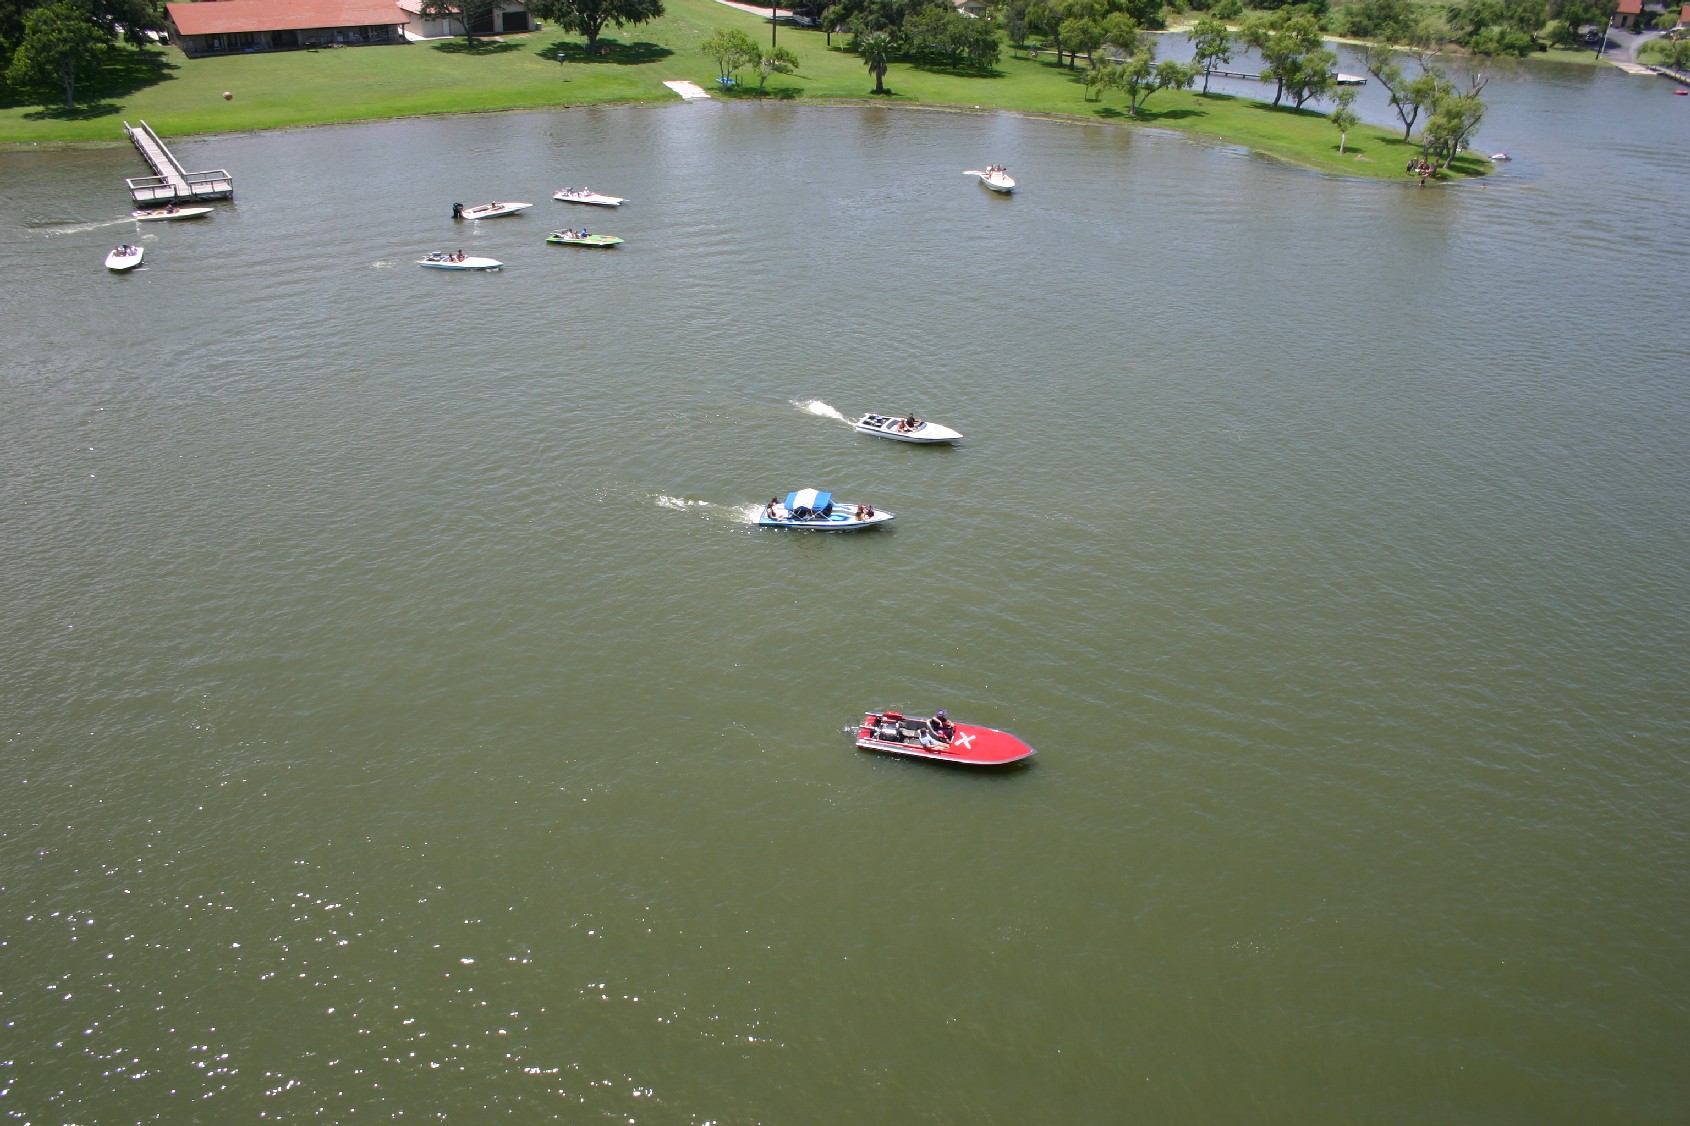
[(588, 196), (440, 260), (815, 511), (125, 257), (487, 210), (159, 214), (996, 177), (905, 428)]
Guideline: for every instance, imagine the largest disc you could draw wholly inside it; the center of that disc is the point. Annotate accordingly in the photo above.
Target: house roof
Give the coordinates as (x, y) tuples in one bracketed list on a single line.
[(1630, 8), (228, 16)]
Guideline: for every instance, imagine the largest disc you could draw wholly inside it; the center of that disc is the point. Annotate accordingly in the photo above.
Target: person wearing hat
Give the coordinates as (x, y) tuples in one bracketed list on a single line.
[(941, 727)]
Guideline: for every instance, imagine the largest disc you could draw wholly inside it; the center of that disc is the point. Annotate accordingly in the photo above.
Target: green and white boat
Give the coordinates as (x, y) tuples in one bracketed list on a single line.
[(571, 237)]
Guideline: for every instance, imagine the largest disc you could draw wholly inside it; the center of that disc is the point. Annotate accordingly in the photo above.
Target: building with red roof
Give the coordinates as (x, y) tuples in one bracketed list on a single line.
[(231, 26)]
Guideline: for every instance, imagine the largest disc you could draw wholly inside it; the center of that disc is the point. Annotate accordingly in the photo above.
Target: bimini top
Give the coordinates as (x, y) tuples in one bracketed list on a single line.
[(808, 498)]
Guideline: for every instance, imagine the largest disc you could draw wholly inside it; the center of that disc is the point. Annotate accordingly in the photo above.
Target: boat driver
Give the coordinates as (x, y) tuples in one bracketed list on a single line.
[(911, 422), (941, 727)]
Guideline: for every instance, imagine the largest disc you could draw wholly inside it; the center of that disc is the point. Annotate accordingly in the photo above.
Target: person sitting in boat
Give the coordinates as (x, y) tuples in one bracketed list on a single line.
[(909, 423), (940, 727), (772, 510)]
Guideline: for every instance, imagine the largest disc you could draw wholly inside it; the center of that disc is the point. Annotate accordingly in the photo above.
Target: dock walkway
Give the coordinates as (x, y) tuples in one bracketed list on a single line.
[(168, 181)]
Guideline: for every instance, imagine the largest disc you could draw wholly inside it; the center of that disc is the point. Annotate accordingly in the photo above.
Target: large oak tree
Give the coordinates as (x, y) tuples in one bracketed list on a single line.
[(589, 17)]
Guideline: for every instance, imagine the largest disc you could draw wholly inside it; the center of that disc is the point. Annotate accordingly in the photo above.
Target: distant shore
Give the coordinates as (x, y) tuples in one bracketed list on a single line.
[(544, 69)]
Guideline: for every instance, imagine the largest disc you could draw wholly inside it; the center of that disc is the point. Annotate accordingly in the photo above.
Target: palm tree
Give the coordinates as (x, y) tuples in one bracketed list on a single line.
[(876, 49)]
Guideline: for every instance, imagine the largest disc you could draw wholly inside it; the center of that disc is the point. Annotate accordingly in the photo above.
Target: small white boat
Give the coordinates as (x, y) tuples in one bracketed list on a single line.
[(588, 195), (125, 257), (907, 428), (487, 210), (811, 510), (443, 261), (995, 177), (1499, 157), (157, 214)]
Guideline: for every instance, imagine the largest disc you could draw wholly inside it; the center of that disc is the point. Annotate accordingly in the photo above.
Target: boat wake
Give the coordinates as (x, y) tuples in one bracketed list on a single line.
[(817, 407), (77, 228), (679, 504)]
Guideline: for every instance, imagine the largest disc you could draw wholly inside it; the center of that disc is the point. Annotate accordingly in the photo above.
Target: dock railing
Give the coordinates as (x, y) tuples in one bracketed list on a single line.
[(169, 181)]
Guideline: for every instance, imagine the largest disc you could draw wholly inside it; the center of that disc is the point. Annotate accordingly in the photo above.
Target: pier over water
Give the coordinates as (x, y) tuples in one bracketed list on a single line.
[(169, 181)]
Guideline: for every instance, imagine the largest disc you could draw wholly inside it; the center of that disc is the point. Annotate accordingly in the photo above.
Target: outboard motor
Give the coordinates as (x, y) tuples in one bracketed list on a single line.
[(457, 211)]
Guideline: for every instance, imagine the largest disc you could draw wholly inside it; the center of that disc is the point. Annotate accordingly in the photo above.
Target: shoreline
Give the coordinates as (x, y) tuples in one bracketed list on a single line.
[(1053, 117), (185, 98)]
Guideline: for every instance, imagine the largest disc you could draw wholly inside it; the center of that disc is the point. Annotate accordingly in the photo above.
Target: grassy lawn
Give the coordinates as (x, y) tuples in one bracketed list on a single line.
[(181, 97)]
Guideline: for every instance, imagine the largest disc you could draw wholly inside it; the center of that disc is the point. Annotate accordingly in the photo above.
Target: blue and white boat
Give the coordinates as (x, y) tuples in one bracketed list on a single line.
[(815, 511)]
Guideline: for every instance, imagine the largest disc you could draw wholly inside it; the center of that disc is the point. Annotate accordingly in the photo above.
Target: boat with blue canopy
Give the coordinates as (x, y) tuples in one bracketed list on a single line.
[(816, 511)]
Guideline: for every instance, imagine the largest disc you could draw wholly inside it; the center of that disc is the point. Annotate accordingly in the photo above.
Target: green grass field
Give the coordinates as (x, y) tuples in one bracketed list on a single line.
[(182, 97)]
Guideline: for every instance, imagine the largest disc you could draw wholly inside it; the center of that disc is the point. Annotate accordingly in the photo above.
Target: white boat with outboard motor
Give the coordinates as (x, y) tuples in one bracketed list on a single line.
[(440, 260), (588, 196), (159, 214), (125, 257), (816, 511), (905, 428), (488, 210), (996, 177)]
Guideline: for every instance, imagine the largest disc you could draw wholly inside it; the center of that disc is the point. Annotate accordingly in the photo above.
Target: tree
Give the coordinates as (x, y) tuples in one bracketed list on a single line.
[(945, 32), (1080, 35), (1344, 117), (1292, 55), (980, 43), (58, 41), (776, 60), (1101, 78), (1141, 76), (1389, 21), (1451, 125), (732, 49), (588, 17), (1314, 75), (1455, 116), (1409, 96), (464, 14), (1211, 46), (1671, 53), (876, 49)]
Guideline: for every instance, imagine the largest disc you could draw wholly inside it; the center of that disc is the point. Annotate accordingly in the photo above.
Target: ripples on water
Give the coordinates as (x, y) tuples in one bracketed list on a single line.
[(402, 714)]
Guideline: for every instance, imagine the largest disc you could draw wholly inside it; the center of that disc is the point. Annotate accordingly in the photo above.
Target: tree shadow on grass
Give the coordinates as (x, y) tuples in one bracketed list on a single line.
[(963, 71), (1169, 114), (752, 94), (605, 51), (479, 47), (87, 111), (122, 72)]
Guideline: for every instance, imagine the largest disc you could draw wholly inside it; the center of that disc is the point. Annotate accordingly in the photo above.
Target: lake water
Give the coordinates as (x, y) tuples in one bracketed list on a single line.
[(402, 720)]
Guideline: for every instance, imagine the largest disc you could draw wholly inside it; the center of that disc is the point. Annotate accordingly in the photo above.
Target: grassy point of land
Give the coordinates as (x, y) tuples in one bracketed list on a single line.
[(183, 97)]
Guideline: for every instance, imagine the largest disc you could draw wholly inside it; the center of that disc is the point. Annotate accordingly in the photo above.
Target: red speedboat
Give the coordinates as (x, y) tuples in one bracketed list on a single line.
[(899, 734)]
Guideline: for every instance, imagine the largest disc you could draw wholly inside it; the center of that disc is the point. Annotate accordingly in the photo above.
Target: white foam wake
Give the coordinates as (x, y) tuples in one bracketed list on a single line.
[(817, 407)]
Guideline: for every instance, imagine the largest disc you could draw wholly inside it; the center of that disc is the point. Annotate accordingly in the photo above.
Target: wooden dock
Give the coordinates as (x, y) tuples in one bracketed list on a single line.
[(169, 182)]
